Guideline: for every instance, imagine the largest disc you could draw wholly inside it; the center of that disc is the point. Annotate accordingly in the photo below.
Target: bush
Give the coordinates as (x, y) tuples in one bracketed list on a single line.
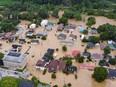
[(65, 72), (69, 84), (76, 76), (43, 38), (112, 61), (57, 49), (44, 72), (31, 37), (64, 48), (53, 76), (85, 31), (55, 86)]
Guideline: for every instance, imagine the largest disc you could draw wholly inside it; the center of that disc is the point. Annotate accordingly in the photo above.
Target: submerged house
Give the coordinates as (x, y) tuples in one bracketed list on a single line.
[(90, 44), (41, 34), (26, 84), (22, 41), (53, 66), (16, 48), (41, 65), (7, 35), (112, 73), (73, 37), (62, 36), (94, 31), (70, 27), (60, 27), (34, 41)]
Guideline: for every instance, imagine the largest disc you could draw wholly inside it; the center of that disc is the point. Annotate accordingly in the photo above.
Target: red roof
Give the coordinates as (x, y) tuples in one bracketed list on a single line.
[(83, 66), (75, 52), (68, 55)]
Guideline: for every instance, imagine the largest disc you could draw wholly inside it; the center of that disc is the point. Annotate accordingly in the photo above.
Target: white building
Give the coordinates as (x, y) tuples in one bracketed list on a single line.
[(44, 23), (32, 26), (16, 60)]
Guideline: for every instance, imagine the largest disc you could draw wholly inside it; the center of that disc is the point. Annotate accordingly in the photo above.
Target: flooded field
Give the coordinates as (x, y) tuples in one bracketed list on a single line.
[(84, 76)]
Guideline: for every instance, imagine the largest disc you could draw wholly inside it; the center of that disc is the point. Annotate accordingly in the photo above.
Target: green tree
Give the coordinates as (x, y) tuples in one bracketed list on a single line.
[(90, 21), (95, 39), (81, 59), (112, 61), (69, 62), (55, 86), (85, 31), (55, 13), (1, 55), (107, 50), (8, 82), (100, 74), (64, 48), (63, 20), (53, 76), (77, 16), (69, 84), (43, 12)]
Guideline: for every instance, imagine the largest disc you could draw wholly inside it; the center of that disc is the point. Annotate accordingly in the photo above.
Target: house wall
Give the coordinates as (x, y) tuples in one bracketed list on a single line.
[(16, 65)]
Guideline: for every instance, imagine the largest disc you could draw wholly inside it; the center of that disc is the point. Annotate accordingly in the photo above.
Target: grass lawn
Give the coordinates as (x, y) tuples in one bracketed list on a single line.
[(7, 2)]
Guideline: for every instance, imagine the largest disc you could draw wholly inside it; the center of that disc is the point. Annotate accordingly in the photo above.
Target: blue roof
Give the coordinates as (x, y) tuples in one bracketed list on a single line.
[(86, 54), (90, 44), (26, 84), (81, 29), (112, 46), (62, 35), (50, 24), (112, 73)]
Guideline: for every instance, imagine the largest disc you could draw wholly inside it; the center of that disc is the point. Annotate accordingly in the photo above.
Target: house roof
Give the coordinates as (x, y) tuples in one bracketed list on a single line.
[(40, 63), (60, 27), (90, 44), (72, 69), (73, 36), (86, 54), (75, 52), (48, 28), (14, 46), (68, 55), (26, 84), (50, 51), (102, 46), (34, 41), (14, 57), (70, 43), (112, 73), (96, 56), (94, 31), (112, 46), (7, 35), (42, 33), (50, 24), (107, 57), (53, 65), (62, 65), (61, 35), (84, 66)]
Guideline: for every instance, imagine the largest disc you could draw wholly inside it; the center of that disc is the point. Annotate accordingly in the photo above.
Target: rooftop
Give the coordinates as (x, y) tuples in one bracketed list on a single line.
[(14, 57)]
